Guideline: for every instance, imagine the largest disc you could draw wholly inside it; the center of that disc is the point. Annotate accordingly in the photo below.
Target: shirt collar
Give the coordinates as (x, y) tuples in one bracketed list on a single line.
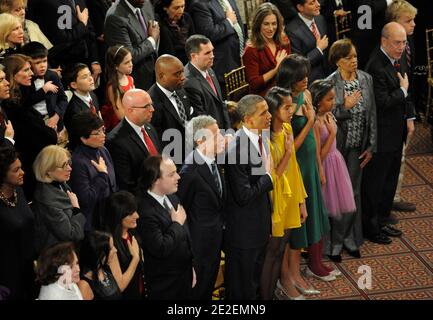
[(86, 99), (136, 128), (133, 9), (254, 137), (209, 161), (168, 93), (391, 59), (203, 73), (308, 22), (158, 198)]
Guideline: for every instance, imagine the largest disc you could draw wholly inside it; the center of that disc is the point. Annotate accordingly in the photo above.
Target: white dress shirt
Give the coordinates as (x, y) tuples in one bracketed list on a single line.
[(41, 106), (161, 199), (169, 95), (137, 130), (254, 138)]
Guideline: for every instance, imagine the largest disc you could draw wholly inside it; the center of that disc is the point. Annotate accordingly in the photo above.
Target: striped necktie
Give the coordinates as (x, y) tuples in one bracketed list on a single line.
[(408, 55), (236, 26), (315, 31)]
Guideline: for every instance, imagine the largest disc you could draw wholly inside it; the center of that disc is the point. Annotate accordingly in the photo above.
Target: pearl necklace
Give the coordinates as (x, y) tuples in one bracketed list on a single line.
[(9, 203)]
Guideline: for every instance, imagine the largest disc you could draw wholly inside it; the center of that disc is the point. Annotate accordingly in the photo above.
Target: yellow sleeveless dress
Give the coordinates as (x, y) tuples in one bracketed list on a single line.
[(289, 191)]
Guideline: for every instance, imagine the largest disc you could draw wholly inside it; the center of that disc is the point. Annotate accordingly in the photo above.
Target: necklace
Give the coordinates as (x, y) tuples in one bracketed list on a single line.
[(9, 203)]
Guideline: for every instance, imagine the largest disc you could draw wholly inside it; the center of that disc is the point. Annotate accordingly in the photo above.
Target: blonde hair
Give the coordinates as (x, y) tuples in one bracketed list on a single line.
[(50, 158), (8, 23), (7, 5), (397, 8)]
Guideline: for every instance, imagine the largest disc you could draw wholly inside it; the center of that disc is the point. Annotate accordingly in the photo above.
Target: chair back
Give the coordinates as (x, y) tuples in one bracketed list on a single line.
[(343, 25), (250, 7), (236, 84)]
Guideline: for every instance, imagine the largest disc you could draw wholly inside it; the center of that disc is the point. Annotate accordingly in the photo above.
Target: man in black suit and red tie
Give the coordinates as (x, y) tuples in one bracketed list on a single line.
[(201, 83), (134, 139), (248, 227), (203, 193), (388, 67)]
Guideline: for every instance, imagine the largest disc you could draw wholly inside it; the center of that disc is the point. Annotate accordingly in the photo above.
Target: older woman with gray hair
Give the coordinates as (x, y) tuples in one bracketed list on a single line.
[(202, 192), (355, 112), (56, 207)]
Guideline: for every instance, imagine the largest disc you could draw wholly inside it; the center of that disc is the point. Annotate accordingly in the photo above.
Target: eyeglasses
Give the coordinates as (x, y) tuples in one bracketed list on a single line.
[(65, 165), (144, 107), (99, 132)]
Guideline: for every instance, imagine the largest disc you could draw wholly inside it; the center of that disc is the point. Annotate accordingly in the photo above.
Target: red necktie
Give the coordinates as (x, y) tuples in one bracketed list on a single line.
[(315, 31), (209, 80), (92, 106), (149, 144), (397, 65)]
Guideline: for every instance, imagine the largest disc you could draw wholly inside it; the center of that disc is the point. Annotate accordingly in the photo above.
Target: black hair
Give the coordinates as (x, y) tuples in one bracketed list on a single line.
[(7, 157), (94, 252), (150, 172), (320, 89), (82, 125), (293, 68), (35, 50), (274, 99), (193, 43), (71, 72)]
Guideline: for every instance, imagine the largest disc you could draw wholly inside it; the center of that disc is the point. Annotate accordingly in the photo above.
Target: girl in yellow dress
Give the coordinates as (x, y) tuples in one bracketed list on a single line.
[(287, 197)]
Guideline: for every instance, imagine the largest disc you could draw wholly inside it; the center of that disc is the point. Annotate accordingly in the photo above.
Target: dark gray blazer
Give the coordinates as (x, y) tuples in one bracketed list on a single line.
[(123, 27), (56, 220), (341, 114), (303, 42)]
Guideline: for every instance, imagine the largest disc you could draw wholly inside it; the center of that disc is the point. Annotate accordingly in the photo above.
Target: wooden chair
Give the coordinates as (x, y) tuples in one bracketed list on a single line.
[(250, 7), (429, 48), (343, 25), (236, 84)]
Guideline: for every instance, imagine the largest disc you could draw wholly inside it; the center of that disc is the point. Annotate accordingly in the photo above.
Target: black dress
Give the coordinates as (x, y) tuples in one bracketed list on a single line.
[(16, 248)]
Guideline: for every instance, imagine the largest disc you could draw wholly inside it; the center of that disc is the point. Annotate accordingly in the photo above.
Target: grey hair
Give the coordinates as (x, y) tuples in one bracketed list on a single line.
[(247, 105), (195, 129)]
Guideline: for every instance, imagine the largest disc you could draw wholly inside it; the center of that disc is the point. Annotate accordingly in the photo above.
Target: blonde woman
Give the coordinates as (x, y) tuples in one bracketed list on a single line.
[(57, 211), (11, 35), (30, 28)]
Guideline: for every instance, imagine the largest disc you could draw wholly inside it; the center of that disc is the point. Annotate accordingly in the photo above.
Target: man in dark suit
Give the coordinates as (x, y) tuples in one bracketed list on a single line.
[(404, 13), (172, 107), (134, 139), (72, 43), (388, 67), (202, 192), (308, 36), (165, 237), (201, 84), (248, 226), (220, 21), (131, 23)]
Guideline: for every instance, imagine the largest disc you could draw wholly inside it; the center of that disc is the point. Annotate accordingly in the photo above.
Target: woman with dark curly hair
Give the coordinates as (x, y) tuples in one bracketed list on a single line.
[(58, 272), (176, 26), (16, 228)]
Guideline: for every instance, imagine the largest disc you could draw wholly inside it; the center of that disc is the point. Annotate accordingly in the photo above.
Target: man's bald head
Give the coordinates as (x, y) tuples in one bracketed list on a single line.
[(138, 106), (169, 72), (393, 40)]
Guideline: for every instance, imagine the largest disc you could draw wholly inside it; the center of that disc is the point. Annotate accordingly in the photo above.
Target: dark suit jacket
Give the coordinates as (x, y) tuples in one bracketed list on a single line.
[(167, 250), (165, 115), (304, 43), (392, 107), (56, 102), (203, 98), (205, 207), (70, 45), (75, 106), (92, 187), (248, 205), (210, 20), (128, 152), (123, 27)]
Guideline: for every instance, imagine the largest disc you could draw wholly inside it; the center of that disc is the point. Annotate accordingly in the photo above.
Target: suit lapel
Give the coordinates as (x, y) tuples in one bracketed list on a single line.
[(307, 32), (134, 137), (168, 105), (199, 76), (206, 174), (133, 21)]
